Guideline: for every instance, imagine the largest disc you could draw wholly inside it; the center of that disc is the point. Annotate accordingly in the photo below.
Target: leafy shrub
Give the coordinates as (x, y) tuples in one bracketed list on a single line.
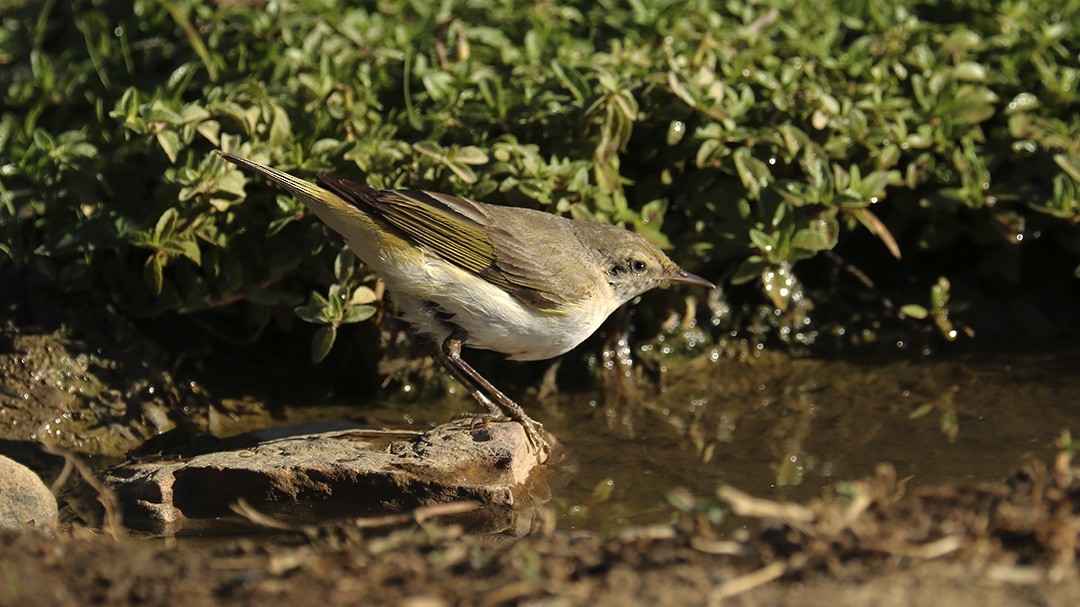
[(827, 152)]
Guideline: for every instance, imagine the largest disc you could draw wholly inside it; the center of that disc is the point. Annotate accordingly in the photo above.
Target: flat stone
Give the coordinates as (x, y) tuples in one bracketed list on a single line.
[(25, 501), (304, 473)]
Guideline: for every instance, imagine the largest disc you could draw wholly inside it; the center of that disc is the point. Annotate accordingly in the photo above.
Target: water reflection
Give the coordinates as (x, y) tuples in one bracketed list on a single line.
[(786, 428), (783, 428)]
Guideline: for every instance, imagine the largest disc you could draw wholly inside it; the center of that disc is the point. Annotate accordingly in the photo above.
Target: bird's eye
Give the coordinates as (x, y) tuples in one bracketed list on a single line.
[(637, 266)]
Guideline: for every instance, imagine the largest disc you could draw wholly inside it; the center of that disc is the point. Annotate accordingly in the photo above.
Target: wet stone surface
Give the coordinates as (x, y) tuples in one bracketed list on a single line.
[(311, 473)]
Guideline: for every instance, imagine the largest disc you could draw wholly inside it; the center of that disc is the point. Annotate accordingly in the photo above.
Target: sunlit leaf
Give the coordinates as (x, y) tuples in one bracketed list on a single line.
[(914, 311), (878, 228), (166, 225), (354, 314), (921, 411), (1069, 164), (170, 143), (153, 272)]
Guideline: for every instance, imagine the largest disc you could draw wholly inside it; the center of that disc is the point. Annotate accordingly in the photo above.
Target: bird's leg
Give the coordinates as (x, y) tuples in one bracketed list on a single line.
[(452, 367), (500, 407)]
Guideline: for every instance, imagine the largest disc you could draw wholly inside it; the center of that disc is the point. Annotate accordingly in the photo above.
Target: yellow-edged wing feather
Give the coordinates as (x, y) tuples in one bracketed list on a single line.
[(460, 231)]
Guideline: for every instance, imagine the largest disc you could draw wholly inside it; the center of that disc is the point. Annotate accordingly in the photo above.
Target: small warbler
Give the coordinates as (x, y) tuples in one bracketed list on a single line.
[(525, 283)]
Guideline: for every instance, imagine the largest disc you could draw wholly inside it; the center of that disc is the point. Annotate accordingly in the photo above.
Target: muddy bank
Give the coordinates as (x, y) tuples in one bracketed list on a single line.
[(77, 374), (870, 541)]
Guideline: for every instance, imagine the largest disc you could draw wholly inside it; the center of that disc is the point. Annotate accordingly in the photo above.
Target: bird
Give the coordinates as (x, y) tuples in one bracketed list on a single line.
[(525, 283)]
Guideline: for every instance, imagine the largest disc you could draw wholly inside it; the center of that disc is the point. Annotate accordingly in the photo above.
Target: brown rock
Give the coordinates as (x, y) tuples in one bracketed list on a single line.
[(24, 500), (303, 472)]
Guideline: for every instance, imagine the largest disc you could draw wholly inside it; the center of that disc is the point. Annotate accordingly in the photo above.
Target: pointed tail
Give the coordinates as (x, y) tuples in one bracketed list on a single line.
[(335, 211)]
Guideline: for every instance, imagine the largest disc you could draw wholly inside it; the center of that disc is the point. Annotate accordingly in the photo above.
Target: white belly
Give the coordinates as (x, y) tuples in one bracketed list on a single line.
[(491, 318)]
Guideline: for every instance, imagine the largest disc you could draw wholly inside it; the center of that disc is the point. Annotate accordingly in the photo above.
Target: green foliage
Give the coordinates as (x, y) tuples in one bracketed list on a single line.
[(345, 303), (760, 138)]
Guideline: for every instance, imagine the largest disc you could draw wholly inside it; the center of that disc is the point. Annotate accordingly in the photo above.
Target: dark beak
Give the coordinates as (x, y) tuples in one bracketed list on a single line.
[(686, 278)]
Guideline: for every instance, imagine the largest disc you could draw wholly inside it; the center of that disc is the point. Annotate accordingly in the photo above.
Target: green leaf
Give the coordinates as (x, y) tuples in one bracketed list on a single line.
[(676, 131), (322, 341), (753, 173), (344, 262), (363, 295), (211, 130), (355, 314), (170, 143), (811, 240), (309, 313), (189, 248), (465, 173), (779, 282), (166, 225), (193, 36), (1069, 164), (921, 411), (470, 154), (973, 104), (153, 273), (764, 242), (914, 311), (1023, 102), (572, 80), (970, 71), (280, 128), (706, 151), (750, 269)]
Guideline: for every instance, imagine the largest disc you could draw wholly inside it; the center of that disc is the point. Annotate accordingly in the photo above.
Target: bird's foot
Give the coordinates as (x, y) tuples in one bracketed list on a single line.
[(534, 430)]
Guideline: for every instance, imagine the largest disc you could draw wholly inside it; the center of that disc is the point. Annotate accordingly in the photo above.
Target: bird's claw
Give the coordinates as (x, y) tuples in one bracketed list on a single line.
[(534, 430)]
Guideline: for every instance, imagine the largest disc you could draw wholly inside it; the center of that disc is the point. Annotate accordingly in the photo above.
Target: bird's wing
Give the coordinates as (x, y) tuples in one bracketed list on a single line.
[(460, 231)]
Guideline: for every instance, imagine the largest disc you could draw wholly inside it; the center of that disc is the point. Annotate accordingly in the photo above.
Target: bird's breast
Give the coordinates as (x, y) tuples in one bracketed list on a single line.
[(438, 297)]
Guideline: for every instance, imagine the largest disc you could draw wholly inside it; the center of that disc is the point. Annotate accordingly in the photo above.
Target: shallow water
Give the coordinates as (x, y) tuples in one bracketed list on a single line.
[(784, 428)]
